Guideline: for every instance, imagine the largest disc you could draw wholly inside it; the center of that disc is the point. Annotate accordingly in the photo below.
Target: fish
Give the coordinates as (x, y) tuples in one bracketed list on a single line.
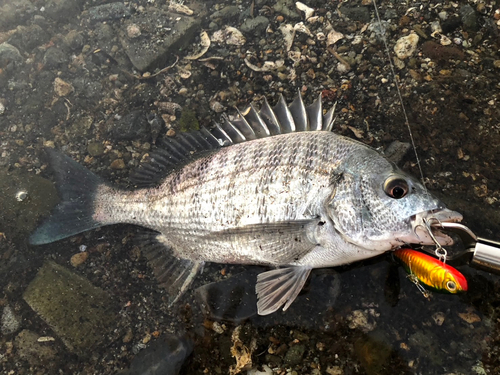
[(274, 187), (432, 272)]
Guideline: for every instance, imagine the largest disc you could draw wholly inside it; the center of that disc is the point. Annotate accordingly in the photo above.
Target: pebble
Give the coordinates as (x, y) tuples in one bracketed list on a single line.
[(2, 108), (9, 55), (294, 355), (74, 40), (133, 31), (362, 319), (117, 164), (10, 323), (255, 26), (439, 318), (95, 148), (54, 58), (406, 46), (62, 88), (79, 258), (226, 13), (106, 12), (469, 317), (264, 370)]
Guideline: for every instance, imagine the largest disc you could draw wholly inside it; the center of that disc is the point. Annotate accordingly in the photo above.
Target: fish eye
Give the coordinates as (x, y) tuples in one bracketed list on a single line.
[(396, 187), (451, 286)]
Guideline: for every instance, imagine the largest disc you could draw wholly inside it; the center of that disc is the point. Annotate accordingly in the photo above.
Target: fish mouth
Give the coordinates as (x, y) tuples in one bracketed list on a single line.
[(427, 235)]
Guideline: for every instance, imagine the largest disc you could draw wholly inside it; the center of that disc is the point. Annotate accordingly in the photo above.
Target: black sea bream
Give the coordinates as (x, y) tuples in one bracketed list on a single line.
[(274, 187)]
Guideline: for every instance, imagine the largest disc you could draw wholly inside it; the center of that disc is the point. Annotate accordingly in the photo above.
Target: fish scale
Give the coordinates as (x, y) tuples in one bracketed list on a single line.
[(257, 189)]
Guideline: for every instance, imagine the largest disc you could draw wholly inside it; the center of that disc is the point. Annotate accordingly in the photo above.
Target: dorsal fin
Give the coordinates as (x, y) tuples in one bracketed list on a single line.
[(247, 125)]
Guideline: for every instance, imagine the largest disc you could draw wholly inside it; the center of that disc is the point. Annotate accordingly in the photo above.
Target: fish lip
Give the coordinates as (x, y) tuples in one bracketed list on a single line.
[(421, 220)]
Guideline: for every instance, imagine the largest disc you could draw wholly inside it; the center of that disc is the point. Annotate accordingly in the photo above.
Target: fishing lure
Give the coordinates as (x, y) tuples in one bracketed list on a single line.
[(431, 272)]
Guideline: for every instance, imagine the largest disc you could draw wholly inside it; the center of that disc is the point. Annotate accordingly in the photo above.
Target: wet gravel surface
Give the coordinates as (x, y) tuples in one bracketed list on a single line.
[(101, 81)]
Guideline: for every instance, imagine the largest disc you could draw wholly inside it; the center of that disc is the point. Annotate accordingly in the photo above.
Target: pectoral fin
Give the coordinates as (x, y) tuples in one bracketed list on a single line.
[(279, 287)]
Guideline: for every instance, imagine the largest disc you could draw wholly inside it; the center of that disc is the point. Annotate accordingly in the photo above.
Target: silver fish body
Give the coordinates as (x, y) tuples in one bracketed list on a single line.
[(282, 191)]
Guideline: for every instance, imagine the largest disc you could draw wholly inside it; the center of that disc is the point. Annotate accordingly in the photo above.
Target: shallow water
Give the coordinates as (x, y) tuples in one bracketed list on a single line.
[(67, 81)]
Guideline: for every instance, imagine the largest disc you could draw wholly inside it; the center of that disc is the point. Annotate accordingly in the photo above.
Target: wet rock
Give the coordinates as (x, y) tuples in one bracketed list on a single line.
[(80, 126), (133, 126), (61, 10), (15, 12), (87, 88), (79, 258), (95, 148), (62, 88), (9, 56), (363, 320), (469, 18), (18, 219), (225, 13), (450, 24), (359, 13), (54, 58), (164, 356), (117, 164), (440, 53), (78, 312), (265, 370), (294, 354), (27, 38), (10, 322), (34, 352), (406, 46), (107, 12), (255, 26), (287, 8), (74, 40), (167, 32)]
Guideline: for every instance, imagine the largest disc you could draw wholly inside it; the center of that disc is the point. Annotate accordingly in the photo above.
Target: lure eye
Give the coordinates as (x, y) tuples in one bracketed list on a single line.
[(396, 187), (451, 286)]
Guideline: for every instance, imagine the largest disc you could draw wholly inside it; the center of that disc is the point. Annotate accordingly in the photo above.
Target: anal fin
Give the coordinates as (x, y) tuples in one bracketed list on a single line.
[(173, 274), (279, 287)]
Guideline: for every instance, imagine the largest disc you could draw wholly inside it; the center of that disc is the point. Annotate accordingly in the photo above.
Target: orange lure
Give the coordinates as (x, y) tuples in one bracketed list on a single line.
[(432, 272)]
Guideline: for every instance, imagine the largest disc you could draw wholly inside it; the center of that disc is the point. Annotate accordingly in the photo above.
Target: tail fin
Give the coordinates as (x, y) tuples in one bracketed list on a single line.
[(77, 188)]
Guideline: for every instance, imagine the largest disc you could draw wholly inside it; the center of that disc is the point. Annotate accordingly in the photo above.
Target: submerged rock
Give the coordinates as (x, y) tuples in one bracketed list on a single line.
[(77, 311), (164, 356)]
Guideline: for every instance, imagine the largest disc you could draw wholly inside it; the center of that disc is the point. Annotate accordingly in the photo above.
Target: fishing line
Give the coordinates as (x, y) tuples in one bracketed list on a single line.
[(397, 82)]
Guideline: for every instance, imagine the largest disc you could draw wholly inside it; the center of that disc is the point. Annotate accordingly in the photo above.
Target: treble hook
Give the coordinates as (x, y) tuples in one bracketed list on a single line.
[(440, 251)]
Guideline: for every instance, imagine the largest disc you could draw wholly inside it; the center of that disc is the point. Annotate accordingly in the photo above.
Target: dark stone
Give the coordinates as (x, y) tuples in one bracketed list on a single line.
[(80, 313), (54, 58), (469, 18), (107, 12), (294, 355), (62, 10), (74, 40), (226, 13), (164, 356), (451, 24), (255, 26), (360, 13), (163, 34), (133, 126), (15, 12), (88, 89), (9, 56), (27, 38), (437, 52)]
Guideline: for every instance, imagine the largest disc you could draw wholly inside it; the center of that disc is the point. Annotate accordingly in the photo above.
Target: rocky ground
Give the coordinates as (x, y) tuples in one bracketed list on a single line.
[(102, 81)]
